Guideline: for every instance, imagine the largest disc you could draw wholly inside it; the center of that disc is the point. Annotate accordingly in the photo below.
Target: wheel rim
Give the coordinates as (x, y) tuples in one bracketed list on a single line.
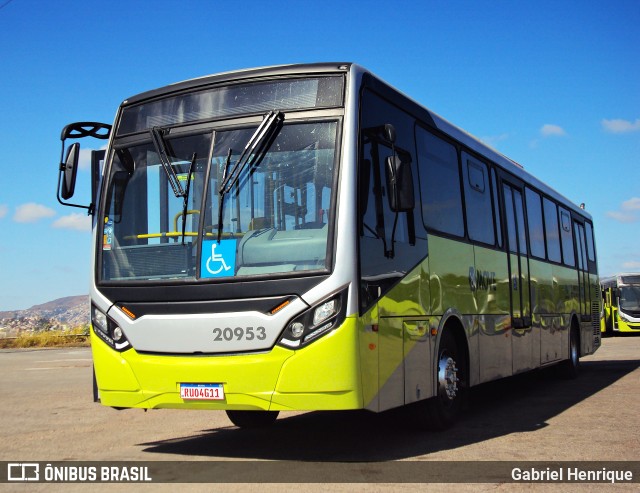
[(448, 377)]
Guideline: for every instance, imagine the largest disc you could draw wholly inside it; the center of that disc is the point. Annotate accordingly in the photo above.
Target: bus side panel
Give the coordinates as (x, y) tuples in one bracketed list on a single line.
[(418, 363), (449, 281), (390, 362), (450, 265), (395, 345), (494, 322), (403, 355), (368, 333), (545, 293), (542, 308), (418, 345), (555, 337)]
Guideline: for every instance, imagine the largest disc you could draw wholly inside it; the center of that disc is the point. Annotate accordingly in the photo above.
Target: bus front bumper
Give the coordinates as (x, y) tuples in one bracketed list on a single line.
[(322, 376), (629, 327)]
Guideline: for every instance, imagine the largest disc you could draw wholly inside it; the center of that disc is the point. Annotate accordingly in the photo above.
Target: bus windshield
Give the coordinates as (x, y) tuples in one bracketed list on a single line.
[(275, 218), (630, 299)]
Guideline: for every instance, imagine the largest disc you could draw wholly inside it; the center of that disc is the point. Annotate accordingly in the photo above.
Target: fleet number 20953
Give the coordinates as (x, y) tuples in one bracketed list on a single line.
[(239, 334)]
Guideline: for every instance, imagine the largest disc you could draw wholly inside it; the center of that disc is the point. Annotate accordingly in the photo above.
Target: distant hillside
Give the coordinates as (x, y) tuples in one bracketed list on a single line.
[(69, 312)]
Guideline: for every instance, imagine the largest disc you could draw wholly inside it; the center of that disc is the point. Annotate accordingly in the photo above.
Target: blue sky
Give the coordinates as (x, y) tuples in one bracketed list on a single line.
[(554, 85)]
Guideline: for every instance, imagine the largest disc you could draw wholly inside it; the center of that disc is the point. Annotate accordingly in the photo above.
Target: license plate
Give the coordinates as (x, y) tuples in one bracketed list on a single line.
[(202, 391)]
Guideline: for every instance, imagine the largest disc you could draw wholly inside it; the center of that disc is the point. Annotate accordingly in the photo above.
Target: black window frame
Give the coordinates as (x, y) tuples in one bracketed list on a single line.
[(468, 160), (547, 228), (537, 246), (422, 179), (567, 237)]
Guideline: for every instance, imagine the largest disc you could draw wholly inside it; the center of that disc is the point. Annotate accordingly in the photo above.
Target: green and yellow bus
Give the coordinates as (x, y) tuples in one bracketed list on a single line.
[(621, 303), (307, 237)]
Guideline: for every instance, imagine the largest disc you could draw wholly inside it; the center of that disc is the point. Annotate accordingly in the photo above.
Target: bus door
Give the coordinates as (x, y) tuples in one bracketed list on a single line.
[(583, 274), (523, 347), (584, 285)]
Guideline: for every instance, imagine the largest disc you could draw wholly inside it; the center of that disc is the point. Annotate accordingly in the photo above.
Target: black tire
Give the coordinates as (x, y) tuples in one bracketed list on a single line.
[(570, 368), (608, 324), (444, 409), (252, 419)]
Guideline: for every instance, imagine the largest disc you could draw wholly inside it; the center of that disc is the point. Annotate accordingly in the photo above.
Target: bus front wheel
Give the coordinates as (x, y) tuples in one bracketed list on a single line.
[(252, 419), (443, 409)]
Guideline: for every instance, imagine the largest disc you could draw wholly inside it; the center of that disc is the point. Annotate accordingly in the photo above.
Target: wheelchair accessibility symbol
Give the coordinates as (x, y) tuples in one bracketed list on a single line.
[(218, 259)]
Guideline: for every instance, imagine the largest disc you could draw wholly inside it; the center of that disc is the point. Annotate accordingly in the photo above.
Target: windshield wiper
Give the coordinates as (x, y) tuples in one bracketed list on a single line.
[(255, 148), (157, 135), (185, 204), (253, 152)]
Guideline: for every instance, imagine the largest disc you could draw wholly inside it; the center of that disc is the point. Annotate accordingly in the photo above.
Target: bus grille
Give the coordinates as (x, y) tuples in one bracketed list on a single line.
[(148, 261), (595, 320)]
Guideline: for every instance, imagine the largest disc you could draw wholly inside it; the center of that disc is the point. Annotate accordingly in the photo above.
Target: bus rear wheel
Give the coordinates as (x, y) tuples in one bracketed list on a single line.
[(252, 419), (569, 368), (444, 409)]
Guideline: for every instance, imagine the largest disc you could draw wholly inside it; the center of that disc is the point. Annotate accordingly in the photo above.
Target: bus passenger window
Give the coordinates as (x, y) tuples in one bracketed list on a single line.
[(477, 200), (552, 235), (534, 216), (439, 184), (567, 238), (591, 248)]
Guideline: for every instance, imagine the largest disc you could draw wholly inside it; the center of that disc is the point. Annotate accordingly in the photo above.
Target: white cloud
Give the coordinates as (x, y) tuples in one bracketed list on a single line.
[(629, 211), (622, 217), (550, 130), (84, 161), (633, 265), (493, 140), (619, 126), (75, 221), (632, 204), (3, 210), (32, 212)]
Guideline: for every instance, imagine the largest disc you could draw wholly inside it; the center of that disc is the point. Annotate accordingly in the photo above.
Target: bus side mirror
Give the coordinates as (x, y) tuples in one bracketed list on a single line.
[(390, 133), (70, 169), (400, 183)]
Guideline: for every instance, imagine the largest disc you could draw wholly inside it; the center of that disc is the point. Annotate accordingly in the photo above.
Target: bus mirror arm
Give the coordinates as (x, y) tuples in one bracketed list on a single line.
[(68, 169)]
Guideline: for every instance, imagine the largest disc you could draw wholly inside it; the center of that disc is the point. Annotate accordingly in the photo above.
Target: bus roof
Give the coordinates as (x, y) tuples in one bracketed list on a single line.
[(488, 152), (622, 278), (358, 72)]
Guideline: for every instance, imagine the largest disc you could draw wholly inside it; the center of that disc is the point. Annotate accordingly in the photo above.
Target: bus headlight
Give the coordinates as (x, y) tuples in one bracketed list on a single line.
[(297, 329), (117, 334), (99, 320), (325, 311), (315, 322), (107, 330)]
